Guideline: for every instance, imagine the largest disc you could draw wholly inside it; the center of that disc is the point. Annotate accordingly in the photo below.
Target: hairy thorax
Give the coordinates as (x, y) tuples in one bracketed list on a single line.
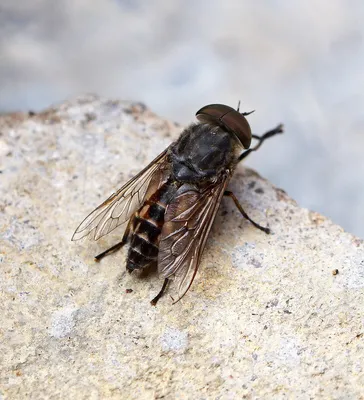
[(202, 154)]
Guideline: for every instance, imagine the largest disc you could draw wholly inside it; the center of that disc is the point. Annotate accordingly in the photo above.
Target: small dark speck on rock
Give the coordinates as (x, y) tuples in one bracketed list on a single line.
[(259, 191), (90, 117), (256, 263), (129, 291), (112, 103), (251, 184), (272, 303), (358, 242), (31, 113), (335, 272), (281, 194), (139, 107)]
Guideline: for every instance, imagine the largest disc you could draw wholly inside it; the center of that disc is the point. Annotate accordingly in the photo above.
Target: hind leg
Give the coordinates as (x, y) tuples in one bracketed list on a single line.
[(160, 294), (116, 246)]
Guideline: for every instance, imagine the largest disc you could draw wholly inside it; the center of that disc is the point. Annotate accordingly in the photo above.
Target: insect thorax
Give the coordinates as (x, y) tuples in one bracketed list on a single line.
[(202, 153)]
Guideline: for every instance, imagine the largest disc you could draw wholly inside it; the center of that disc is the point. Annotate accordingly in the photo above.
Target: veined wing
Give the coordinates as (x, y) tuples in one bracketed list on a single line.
[(187, 223), (121, 205)]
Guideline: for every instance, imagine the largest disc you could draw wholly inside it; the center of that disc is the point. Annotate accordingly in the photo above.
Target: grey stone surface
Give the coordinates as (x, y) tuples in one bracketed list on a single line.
[(286, 62), (265, 318)]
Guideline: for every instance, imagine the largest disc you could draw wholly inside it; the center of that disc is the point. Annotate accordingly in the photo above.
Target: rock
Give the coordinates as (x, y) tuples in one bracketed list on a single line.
[(266, 317)]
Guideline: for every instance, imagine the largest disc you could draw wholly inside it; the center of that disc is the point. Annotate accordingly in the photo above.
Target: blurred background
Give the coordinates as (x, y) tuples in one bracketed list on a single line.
[(297, 62)]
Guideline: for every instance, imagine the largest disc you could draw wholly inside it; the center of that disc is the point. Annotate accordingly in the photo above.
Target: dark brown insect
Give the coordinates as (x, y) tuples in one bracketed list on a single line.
[(171, 204)]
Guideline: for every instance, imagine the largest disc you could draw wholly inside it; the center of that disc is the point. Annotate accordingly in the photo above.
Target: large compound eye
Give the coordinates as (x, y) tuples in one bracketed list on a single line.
[(228, 118)]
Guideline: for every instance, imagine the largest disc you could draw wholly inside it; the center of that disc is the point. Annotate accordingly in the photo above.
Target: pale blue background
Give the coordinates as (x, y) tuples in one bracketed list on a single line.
[(298, 62)]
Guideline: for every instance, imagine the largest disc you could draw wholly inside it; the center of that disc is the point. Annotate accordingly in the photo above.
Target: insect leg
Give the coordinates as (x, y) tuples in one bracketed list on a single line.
[(244, 214), (160, 294), (116, 246), (275, 131)]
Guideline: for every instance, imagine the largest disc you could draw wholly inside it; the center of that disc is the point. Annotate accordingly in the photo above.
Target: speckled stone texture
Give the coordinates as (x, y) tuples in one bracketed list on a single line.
[(267, 316)]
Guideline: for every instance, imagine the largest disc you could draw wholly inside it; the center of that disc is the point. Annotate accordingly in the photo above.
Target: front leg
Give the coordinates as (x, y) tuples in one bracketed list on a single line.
[(244, 214), (261, 139)]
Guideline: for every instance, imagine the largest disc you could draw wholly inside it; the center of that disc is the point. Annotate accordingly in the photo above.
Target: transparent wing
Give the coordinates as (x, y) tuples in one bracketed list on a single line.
[(188, 221), (120, 206)]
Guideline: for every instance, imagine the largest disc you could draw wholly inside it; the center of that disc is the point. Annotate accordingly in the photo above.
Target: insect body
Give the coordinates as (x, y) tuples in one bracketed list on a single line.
[(171, 204), (147, 225)]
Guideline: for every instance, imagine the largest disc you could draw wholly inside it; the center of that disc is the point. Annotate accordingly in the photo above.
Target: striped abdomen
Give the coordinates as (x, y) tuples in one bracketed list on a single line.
[(146, 228)]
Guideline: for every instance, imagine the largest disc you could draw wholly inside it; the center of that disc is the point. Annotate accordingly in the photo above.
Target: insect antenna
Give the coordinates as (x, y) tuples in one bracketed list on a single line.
[(238, 106), (244, 114)]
